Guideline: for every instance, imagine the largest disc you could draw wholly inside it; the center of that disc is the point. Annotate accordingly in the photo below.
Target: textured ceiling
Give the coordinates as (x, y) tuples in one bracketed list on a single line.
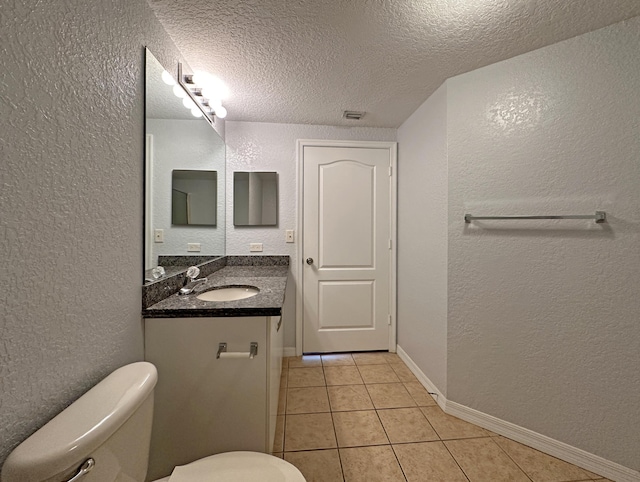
[(306, 61)]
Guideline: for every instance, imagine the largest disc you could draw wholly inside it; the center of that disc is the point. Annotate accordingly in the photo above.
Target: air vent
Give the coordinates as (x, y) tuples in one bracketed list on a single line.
[(353, 115)]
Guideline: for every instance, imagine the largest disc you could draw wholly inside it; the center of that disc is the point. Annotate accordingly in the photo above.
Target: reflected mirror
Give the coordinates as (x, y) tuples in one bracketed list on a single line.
[(193, 198), (177, 141), (255, 198)]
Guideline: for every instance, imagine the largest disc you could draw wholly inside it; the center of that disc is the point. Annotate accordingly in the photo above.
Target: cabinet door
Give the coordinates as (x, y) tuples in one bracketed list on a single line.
[(205, 405), (275, 369)]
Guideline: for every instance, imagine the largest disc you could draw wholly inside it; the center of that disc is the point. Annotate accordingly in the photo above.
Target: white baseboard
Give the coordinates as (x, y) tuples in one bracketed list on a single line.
[(422, 378), (561, 450), (289, 351)]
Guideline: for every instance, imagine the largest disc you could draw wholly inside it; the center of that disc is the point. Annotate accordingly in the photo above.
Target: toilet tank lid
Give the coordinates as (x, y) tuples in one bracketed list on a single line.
[(83, 426)]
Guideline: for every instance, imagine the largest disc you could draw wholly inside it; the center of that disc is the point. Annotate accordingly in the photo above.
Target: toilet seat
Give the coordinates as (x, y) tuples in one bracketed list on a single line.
[(236, 467)]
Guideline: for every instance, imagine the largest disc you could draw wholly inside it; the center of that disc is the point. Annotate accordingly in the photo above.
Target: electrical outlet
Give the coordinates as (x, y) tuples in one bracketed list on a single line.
[(158, 235), (193, 246), (255, 246), (289, 236)]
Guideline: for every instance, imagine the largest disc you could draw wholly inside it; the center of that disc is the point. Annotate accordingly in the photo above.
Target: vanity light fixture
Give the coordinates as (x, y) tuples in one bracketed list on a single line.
[(205, 99)]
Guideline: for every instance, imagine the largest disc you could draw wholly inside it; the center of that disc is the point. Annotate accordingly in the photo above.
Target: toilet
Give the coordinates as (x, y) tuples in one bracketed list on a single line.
[(104, 436)]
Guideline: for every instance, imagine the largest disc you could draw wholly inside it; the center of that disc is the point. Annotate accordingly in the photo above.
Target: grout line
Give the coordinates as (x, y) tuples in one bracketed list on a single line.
[(513, 460), (455, 460), (335, 434)]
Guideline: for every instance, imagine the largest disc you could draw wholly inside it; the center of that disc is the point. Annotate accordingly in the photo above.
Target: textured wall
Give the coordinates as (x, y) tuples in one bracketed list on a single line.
[(543, 316), (422, 237), (185, 144), (71, 137), (255, 146)]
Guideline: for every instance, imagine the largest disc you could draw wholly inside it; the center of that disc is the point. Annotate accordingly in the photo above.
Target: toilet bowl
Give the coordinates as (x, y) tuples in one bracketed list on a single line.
[(104, 436)]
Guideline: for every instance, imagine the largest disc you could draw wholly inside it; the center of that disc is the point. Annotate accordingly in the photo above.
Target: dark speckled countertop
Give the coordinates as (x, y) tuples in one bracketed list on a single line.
[(270, 280)]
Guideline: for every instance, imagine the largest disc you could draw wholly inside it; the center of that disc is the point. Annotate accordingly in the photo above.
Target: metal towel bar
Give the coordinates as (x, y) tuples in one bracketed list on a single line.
[(599, 217)]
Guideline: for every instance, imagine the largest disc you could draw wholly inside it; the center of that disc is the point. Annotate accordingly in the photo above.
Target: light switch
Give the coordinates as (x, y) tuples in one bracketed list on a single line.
[(289, 236), (158, 235), (193, 246), (255, 246)]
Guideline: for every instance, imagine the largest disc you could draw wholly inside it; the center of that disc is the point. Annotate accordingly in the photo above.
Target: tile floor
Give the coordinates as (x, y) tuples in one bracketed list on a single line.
[(365, 417)]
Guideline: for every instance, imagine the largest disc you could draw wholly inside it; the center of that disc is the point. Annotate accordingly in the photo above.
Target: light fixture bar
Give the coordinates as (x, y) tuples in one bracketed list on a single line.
[(183, 81)]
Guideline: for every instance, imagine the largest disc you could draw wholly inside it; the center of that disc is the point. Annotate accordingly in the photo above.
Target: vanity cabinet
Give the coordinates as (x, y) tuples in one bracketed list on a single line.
[(206, 405)]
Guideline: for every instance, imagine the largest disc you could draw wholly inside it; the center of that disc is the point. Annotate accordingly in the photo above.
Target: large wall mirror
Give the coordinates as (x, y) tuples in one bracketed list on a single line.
[(177, 142)]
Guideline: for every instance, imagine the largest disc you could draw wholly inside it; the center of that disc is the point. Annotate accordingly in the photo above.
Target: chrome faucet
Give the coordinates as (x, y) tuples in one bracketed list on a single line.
[(190, 281)]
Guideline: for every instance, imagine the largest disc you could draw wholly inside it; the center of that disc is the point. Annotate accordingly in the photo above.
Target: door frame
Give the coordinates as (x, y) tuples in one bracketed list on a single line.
[(392, 147)]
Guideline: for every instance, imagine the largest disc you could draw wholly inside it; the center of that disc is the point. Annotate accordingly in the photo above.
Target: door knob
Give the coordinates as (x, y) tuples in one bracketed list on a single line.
[(309, 261)]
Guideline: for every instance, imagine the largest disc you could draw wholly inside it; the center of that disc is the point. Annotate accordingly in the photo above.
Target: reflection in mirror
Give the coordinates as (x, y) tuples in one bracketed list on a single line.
[(255, 198), (175, 140), (193, 197)]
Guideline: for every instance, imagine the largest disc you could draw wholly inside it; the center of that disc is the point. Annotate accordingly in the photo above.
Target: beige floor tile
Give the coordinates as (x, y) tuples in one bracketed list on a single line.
[(370, 358), (419, 394), (309, 432), (354, 429), (403, 372), (390, 395), (305, 377), (482, 460), (449, 427), (370, 464), (338, 359), (278, 439), (377, 374), (345, 375), (538, 466), (282, 401), (428, 462), (349, 397), (317, 465), (305, 361), (307, 400), (392, 357), (406, 425)]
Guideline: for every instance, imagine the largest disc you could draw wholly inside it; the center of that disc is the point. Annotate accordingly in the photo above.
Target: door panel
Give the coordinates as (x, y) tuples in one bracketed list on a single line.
[(346, 229), (346, 304), (346, 226)]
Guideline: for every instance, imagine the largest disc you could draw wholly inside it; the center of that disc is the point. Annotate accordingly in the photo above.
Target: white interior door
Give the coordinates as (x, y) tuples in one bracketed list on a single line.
[(346, 250)]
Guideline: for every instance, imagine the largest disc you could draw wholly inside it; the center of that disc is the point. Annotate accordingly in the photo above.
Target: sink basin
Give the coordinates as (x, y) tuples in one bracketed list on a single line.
[(229, 293)]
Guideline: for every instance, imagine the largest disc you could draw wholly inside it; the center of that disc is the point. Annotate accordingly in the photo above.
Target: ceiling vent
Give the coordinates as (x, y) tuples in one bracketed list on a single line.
[(353, 115)]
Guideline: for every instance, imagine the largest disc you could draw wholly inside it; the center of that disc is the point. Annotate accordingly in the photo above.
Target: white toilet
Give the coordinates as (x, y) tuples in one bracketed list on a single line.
[(104, 436)]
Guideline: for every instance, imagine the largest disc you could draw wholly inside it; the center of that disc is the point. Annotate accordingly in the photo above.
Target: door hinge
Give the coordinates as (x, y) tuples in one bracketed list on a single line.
[(389, 320), (390, 244), (390, 171)]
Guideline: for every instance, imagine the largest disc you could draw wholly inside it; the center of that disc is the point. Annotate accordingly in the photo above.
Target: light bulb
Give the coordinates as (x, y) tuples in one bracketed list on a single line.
[(167, 79), (200, 77), (215, 103), (214, 88), (221, 112), (188, 103), (179, 92), (195, 112)]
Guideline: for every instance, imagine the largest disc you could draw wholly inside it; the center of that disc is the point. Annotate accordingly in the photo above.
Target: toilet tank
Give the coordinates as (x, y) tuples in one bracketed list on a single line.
[(111, 424)]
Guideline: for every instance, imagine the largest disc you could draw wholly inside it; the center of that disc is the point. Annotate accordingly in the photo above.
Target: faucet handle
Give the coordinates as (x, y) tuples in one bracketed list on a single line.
[(193, 272)]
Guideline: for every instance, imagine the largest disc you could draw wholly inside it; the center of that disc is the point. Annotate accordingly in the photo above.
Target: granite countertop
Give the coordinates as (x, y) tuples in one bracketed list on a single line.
[(270, 280)]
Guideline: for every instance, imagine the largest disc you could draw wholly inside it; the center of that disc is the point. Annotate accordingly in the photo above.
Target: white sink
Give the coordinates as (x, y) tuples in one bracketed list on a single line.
[(229, 293)]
